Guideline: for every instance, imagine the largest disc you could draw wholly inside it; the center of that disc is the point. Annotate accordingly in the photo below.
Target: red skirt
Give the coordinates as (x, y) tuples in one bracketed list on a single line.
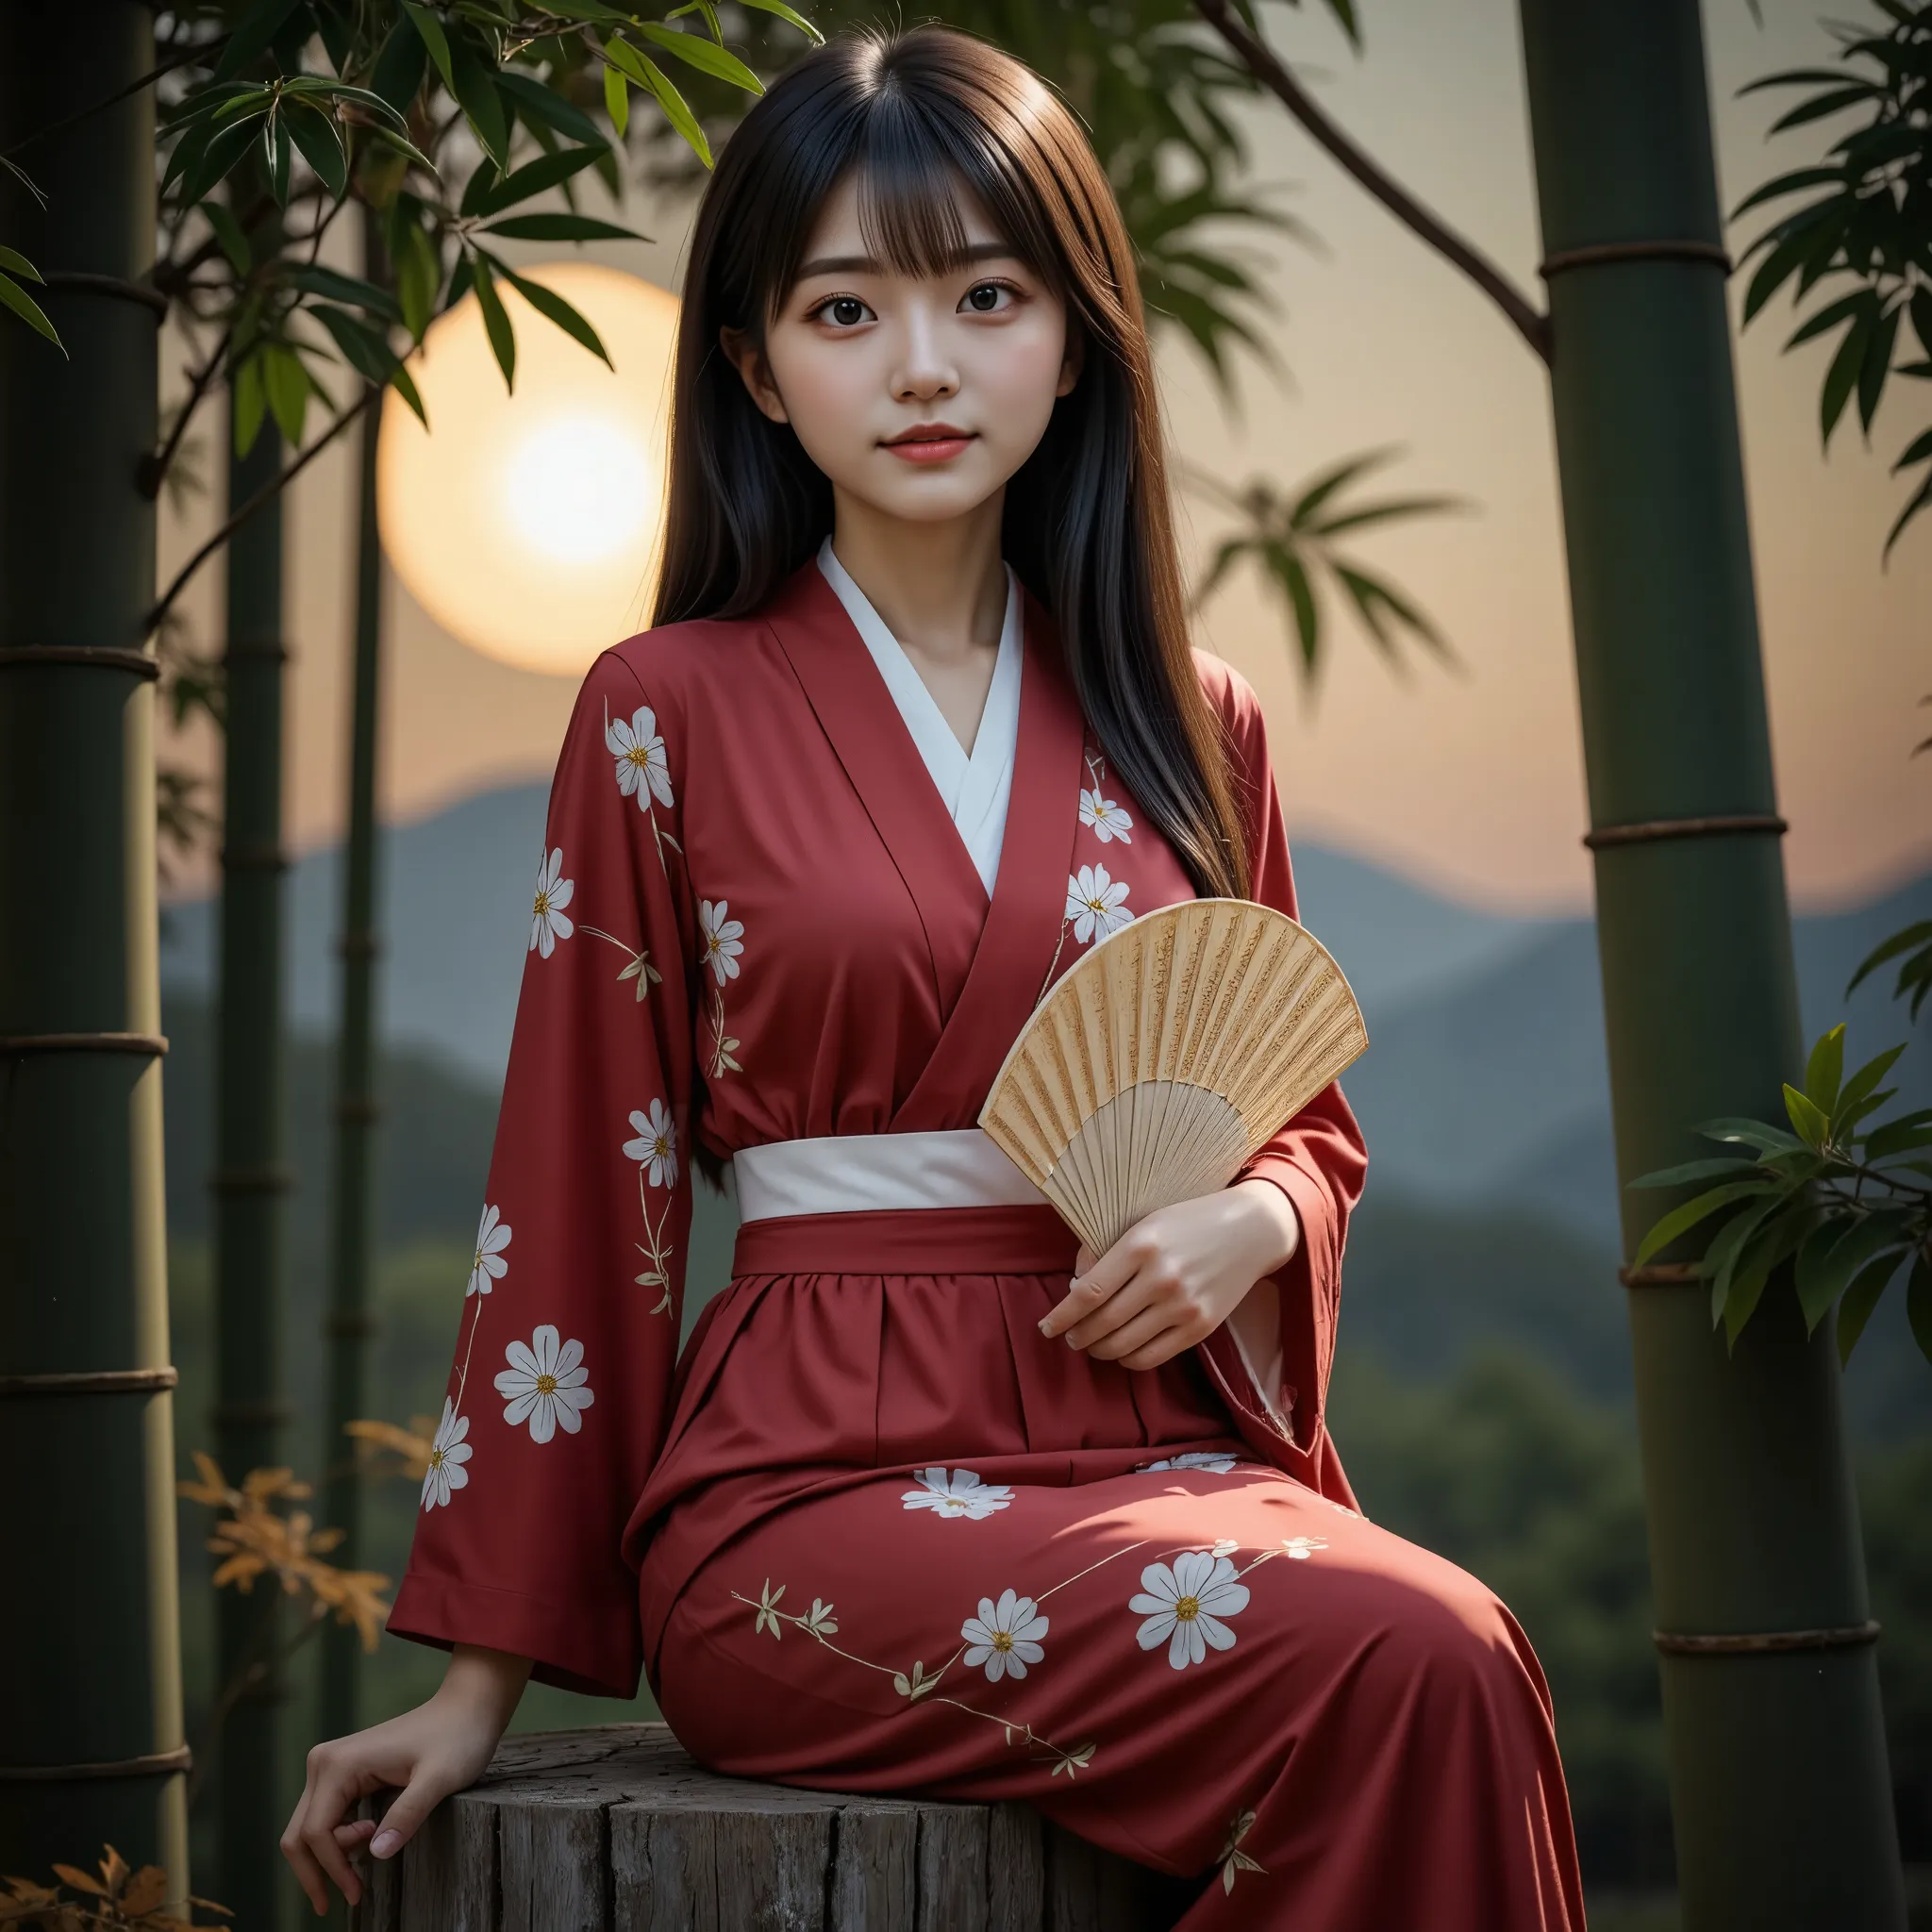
[(901, 1541)]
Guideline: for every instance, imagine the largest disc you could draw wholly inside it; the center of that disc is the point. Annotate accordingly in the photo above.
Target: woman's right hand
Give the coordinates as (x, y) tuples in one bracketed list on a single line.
[(438, 1748)]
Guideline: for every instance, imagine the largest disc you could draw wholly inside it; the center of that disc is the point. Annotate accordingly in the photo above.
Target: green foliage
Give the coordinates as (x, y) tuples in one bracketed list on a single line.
[(1848, 1200), (250, 136), (1292, 540), (15, 268), (1913, 947), (1869, 224)]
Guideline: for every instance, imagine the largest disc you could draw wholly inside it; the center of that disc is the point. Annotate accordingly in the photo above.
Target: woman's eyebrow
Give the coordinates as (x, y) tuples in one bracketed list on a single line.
[(868, 265)]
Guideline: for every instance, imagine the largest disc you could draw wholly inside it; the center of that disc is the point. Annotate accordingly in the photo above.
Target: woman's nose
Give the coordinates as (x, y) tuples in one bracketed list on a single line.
[(925, 370)]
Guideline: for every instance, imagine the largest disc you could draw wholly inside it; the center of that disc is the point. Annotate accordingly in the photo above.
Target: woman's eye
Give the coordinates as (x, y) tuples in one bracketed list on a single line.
[(986, 298), (843, 311)]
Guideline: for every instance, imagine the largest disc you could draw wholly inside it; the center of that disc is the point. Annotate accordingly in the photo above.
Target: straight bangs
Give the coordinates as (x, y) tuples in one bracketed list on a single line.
[(919, 120)]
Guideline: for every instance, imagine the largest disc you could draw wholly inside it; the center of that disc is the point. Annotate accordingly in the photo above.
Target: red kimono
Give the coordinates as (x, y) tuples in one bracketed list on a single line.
[(873, 1531)]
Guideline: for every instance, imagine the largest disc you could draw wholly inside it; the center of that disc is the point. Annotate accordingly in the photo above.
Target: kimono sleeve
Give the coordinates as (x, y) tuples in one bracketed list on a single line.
[(555, 1403), (1317, 1160)]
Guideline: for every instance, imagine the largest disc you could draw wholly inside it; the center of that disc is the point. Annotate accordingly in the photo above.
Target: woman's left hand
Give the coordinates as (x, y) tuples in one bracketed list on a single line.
[(1175, 1276)]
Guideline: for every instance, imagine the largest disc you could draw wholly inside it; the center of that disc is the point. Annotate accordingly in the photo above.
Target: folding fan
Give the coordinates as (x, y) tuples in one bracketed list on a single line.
[(1165, 1058)]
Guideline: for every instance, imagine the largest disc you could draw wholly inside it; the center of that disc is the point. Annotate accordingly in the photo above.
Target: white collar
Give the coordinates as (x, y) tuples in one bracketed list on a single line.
[(975, 786)]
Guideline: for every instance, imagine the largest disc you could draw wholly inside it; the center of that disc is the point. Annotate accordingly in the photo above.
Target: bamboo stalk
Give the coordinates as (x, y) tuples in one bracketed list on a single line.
[(90, 1685), (1782, 1803), (250, 1181), (350, 1323)]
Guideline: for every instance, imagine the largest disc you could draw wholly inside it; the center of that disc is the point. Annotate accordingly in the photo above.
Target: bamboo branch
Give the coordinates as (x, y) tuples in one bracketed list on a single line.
[(265, 494), (154, 468), (1267, 67)]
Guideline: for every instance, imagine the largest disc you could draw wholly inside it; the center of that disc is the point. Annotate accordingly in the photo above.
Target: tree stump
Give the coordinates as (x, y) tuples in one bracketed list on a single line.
[(618, 1830)]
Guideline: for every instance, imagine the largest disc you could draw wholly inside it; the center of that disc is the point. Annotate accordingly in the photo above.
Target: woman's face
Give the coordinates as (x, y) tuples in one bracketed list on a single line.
[(918, 396)]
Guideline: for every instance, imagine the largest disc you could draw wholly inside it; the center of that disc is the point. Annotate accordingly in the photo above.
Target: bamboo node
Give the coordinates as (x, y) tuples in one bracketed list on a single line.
[(15, 1043), (90, 1382), (1598, 253), (101, 656), (1767, 1643), (1661, 1275), (149, 1764), (1645, 831)]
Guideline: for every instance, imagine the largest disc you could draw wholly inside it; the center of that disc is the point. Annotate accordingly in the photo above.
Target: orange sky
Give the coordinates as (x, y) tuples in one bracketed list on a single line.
[(1470, 782)]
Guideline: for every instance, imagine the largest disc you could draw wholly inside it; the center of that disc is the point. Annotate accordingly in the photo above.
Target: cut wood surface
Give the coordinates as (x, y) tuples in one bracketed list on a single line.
[(619, 1830)]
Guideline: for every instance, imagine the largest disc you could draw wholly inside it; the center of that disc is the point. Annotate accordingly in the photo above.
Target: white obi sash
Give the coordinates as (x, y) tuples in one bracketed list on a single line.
[(852, 1173)]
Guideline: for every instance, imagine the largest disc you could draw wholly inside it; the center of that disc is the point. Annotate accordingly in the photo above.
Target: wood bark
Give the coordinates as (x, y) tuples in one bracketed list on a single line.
[(620, 1830)]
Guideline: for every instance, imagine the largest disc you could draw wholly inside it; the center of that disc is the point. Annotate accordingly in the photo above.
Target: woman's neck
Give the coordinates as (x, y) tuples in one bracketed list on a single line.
[(939, 587)]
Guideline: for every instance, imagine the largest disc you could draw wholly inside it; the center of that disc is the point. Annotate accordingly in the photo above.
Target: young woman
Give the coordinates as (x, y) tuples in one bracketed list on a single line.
[(931, 1501)]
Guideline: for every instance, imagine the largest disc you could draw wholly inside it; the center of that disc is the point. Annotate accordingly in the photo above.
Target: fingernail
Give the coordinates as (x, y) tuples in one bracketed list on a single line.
[(384, 1843), (1045, 1328)]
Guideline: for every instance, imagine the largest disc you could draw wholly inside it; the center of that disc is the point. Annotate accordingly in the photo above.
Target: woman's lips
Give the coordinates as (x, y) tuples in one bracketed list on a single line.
[(936, 447)]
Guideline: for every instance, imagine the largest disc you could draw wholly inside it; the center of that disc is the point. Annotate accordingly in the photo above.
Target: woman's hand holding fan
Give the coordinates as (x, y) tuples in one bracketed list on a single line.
[(1139, 1088)]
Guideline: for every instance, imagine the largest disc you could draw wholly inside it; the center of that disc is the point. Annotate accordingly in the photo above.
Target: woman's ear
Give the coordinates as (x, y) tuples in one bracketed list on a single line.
[(748, 358), (1073, 361)]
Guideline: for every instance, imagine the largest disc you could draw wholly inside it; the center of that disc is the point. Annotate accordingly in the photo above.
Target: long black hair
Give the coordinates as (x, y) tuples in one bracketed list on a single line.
[(1087, 522)]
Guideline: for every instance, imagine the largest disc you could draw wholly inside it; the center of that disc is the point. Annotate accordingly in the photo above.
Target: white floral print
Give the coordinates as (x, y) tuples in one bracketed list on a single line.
[(1005, 1637), (1233, 1859), (1110, 821), (1217, 1460), (656, 1144), (1302, 1547), (449, 1452), (544, 1386), (1096, 904), (956, 1492), (644, 771), (723, 938), (488, 1265), (548, 920), (1183, 1606)]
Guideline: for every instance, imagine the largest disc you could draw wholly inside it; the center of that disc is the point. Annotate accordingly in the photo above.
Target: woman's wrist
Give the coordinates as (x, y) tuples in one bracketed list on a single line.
[(1276, 1226), (486, 1683)]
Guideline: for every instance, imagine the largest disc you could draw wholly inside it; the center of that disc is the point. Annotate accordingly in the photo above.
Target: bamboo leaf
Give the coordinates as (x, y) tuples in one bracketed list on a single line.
[(473, 83), (1778, 1238), (1876, 367), (418, 272), (1841, 379), (1905, 1135), (1919, 1303), (16, 298), (706, 55), (1721, 1256), (503, 340), (778, 9), (1916, 935), (16, 263), (252, 34), (537, 102), (1766, 1138), (550, 305), (1825, 1068), (1839, 1248), (617, 99), (562, 227), (314, 278), (645, 71), (1861, 1087), (534, 178), (429, 30), (1859, 1300), (227, 231), (316, 135), (1810, 1122), (1680, 1220), (397, 75), (1693, 1171), (247, 403), (286, 382)]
